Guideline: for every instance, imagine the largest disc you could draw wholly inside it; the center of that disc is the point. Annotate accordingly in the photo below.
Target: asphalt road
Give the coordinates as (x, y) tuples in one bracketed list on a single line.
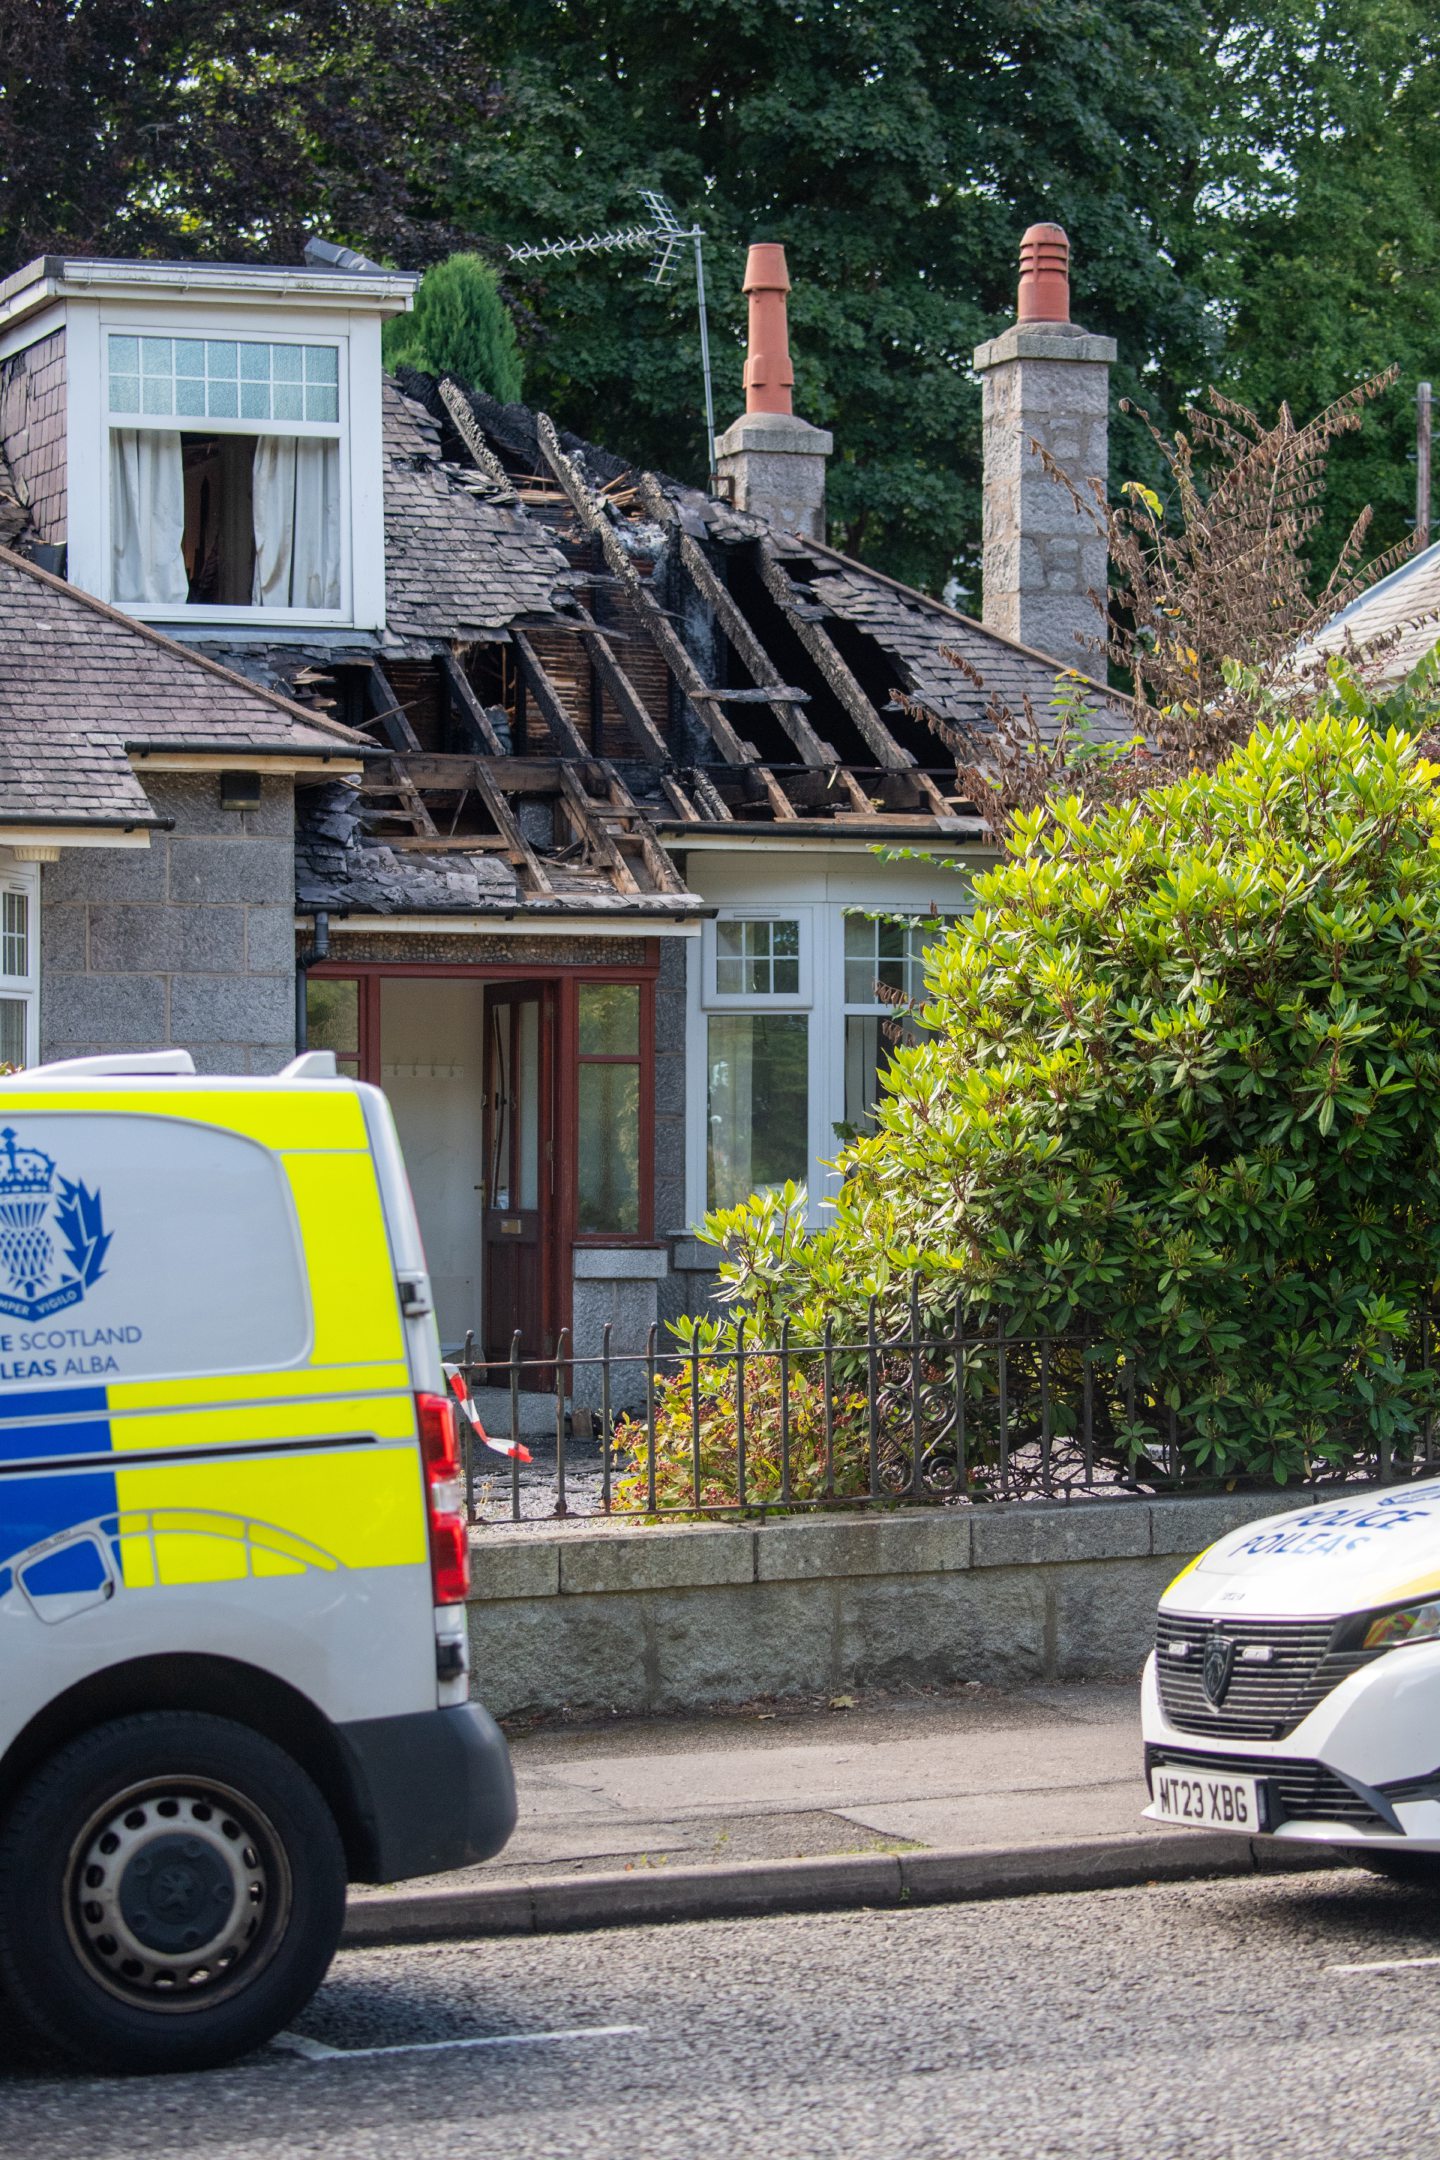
[(1204, 2022)]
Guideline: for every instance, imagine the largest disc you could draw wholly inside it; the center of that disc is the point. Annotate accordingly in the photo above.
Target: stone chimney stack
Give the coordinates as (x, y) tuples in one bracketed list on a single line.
[(774, 463), (1044, 380)]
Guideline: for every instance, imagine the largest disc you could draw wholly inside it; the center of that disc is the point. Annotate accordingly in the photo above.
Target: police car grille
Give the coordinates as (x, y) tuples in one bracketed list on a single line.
[(1301, 1791), (1266, 1698)]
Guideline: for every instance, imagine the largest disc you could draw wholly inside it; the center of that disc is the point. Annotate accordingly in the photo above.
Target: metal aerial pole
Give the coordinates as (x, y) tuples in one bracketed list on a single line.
[(1422, 465), (665, 235)]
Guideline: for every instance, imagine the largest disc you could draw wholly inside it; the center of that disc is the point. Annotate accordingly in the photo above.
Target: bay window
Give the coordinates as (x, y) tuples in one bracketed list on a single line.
[(797, 1012), (225, 473)]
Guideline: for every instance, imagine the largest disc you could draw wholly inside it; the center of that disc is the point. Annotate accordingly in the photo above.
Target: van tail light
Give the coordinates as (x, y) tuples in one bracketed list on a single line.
[(445, 1495)]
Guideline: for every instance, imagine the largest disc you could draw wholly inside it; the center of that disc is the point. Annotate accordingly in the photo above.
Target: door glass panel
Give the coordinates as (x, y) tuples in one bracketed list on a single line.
[(609, 1020), (499, 1177), (871, 1040), (527, 1104), (758, 1107), (609, 1167)]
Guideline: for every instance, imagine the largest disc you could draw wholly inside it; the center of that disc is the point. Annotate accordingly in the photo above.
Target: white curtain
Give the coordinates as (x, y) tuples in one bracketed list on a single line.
[(147, 516), (296, 493)]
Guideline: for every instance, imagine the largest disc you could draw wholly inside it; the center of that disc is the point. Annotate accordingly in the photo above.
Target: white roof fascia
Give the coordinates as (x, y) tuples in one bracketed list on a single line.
[(54, 277)]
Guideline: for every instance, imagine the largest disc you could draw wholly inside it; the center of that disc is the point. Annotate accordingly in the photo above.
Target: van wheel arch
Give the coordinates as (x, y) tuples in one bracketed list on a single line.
[(227, 1687)]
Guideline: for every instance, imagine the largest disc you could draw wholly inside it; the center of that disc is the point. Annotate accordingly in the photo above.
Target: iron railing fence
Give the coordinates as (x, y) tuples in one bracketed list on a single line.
[(918, 1414)]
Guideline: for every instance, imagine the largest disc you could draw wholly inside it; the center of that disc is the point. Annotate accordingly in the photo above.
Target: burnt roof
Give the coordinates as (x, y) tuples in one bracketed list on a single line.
[(461, 562)]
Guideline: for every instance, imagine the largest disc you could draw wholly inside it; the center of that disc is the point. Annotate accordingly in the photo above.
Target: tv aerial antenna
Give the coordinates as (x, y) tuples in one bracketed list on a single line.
[(663, 237)]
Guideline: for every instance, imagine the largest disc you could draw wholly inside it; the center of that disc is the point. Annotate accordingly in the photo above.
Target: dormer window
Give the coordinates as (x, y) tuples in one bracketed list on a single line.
[(225, 472)]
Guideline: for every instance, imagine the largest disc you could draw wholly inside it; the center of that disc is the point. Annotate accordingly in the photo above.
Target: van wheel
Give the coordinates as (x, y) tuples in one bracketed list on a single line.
[(172, 1888)]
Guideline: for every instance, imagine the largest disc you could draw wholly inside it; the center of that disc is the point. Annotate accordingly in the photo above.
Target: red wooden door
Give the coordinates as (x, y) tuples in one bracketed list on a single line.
[(518, 1225)]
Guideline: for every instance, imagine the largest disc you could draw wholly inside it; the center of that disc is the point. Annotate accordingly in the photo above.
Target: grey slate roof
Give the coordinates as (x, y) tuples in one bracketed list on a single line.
[(1404, 606), (915, 632), (460, 564), (79, 683)]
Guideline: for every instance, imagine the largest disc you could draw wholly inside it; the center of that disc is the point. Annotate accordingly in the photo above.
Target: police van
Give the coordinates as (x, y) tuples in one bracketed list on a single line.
[(233, 1555)]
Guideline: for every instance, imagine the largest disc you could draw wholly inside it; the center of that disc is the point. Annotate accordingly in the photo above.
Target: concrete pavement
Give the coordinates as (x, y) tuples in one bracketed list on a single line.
[(962, 1794), (970, 1768)]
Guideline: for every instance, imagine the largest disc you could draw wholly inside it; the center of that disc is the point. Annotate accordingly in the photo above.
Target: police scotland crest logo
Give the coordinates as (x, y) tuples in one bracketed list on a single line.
[(1219, 1664), (53, 1239)]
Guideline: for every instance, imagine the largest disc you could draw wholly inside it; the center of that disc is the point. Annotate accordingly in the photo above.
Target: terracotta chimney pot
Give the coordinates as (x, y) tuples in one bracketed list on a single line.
[(1044, 275), (769, 377)]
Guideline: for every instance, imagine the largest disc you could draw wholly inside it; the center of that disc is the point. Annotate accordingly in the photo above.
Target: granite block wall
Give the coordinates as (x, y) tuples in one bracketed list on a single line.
[(1046, 385), (189, 943)]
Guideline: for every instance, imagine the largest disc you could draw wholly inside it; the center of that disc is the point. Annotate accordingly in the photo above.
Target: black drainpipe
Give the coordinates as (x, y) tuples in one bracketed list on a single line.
[(319, 951)]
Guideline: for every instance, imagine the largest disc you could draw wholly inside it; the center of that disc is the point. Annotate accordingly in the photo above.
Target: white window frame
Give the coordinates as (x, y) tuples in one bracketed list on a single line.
[(715, 1000), (24, 878), (87, 325), (337, 431), (872, 1008)]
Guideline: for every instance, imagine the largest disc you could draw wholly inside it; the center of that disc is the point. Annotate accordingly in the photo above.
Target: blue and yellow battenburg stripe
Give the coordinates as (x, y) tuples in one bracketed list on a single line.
[(207, 1480)]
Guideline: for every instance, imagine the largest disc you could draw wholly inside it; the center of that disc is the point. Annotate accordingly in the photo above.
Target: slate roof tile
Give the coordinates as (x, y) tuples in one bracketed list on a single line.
[(80, 682)]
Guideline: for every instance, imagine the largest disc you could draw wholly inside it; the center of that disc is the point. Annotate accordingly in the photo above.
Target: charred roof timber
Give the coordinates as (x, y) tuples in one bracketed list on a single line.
[(656, 662)]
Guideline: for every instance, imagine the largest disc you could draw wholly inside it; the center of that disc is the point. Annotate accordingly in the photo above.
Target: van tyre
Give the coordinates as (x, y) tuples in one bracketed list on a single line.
[(172, 1888)]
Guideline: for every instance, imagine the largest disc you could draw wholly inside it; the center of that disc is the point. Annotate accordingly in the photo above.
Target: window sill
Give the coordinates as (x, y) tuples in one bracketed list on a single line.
[(261, 618)]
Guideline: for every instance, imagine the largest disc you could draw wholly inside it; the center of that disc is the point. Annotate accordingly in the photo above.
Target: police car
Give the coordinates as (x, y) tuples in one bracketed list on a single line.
[(233, 1554), (1294, 1688)]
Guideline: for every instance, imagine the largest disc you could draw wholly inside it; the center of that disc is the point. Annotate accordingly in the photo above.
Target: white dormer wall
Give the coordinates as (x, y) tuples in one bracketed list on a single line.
[(215, 306)]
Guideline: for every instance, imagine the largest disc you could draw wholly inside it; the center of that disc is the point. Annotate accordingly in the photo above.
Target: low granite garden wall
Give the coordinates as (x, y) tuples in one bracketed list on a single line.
[(645, 1619)]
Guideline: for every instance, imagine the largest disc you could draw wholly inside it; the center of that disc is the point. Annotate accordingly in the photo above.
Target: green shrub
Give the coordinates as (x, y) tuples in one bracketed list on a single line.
[(460, 326), (1181, 1093)]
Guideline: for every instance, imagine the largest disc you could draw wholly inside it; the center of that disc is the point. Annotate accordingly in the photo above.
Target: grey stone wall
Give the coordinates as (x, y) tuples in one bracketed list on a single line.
[(188, 943), (775, 466), (32, 431), (656, 1619), (1042, 559)]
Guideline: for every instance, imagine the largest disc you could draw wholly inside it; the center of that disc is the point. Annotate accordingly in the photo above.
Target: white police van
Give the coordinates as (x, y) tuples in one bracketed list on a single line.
[(233, 1555)]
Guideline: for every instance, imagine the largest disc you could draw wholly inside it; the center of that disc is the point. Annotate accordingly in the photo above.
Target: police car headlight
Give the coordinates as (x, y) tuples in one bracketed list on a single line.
[(1411, 1623)]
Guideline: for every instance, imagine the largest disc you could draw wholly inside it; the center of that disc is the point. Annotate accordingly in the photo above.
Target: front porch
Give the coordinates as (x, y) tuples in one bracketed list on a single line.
[(541, 1126)]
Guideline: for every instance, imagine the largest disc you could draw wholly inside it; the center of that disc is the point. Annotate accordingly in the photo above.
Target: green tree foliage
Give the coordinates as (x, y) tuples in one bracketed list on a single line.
[(189, 127), (898, 149), (1316, 232), (461, 327), (1181, 1091)]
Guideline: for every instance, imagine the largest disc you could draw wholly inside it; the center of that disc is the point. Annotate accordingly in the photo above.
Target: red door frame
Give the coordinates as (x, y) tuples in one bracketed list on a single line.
[(645, 971)]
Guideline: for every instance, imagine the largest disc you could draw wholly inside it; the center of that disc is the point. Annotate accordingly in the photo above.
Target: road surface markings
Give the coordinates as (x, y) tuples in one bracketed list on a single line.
[(1387, 1965), (320, 2050)]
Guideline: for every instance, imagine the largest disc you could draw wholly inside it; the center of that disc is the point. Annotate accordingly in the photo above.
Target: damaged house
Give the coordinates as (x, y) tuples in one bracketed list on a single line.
[(545, 791)]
